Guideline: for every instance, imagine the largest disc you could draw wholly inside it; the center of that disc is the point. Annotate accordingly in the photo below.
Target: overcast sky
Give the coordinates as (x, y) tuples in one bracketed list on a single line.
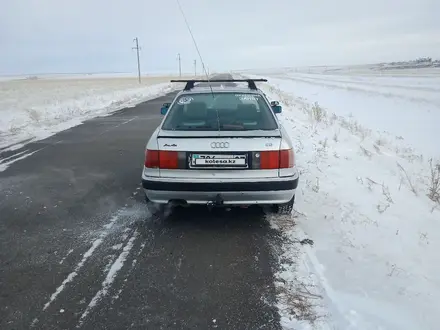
[(41, 36)]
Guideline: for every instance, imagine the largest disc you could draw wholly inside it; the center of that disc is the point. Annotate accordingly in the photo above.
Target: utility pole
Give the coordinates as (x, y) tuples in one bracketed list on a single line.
[(195, 67), (137, 52), (180, 65)]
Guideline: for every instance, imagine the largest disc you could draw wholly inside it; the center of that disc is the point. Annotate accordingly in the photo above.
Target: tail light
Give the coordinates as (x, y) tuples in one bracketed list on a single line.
[(287, 158), (269, 160), (161, 159), (152, 158), (276, 159), (168, 159)]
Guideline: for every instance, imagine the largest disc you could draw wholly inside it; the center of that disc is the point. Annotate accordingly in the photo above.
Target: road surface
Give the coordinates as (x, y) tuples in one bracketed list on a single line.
[(79, 249)]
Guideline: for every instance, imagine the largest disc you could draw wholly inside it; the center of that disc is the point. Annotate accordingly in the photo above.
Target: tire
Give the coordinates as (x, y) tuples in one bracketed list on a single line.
[(286, 208)]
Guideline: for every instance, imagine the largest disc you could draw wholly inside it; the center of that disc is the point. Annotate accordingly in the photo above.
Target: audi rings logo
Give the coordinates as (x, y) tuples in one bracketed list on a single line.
[(218, 145)]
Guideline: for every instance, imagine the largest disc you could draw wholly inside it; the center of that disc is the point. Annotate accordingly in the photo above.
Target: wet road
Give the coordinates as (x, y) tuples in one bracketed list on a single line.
[(79, 249)]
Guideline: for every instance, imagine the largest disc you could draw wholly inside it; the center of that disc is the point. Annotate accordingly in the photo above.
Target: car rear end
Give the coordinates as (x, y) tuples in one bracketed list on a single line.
[(220, 149)]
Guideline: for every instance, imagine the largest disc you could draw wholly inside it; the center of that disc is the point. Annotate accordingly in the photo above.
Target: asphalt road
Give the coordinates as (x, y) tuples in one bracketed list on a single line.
[(79, 249)]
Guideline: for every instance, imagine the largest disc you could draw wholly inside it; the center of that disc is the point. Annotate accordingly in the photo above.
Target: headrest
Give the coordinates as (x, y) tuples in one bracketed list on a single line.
[(247, 111), (196, 110)]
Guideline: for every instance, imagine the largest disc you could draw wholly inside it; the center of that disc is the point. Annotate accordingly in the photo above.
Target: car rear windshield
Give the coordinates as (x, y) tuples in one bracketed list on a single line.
[(220, 111)]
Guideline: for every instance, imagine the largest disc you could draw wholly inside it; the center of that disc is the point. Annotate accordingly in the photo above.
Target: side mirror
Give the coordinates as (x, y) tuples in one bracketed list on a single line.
[(164, 108), (276, 107)]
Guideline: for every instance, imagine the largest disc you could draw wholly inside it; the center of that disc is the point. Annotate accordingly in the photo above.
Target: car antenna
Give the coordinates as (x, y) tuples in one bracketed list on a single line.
[(200, 56), (195, 44)]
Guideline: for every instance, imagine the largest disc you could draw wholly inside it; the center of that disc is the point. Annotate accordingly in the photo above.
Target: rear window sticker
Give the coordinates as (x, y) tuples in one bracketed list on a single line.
[(185, 100)]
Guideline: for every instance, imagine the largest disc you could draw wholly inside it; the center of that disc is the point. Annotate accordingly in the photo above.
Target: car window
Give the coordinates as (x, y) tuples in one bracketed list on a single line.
[(220, 111)]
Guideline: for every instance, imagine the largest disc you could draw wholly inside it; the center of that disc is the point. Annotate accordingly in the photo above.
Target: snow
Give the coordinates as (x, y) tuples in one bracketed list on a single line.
[(8, 161), (109, 279), (95, 244), (363, 153), (403, 106), (102, 247), (35, 109), (65, 257), (73, 274), (117, 246)]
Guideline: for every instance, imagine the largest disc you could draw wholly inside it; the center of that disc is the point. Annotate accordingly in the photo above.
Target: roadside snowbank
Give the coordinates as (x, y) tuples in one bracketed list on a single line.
[(35, 109), (362, 201)]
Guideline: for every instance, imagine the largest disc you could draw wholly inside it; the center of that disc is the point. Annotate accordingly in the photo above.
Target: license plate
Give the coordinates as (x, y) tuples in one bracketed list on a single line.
[(204, 160)]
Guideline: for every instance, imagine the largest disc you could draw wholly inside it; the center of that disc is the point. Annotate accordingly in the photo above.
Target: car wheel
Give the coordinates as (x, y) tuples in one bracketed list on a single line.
[(285, 208)]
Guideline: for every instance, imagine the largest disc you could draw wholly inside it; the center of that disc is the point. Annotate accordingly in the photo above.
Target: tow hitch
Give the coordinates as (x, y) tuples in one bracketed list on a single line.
[(216, 202)]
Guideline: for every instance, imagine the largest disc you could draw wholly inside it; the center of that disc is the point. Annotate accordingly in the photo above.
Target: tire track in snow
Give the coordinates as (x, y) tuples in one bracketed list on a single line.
[(4, 159), (6, 162), (133, 264), (12, 146), (85, 257), (73, 274), (110, 278), (65, 257)]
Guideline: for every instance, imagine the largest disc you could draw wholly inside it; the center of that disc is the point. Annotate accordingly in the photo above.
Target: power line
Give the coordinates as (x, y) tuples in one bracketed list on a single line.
[(136, 40)]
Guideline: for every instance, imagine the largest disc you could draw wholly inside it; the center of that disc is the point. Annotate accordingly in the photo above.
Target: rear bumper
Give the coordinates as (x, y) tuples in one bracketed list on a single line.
[(220, 186), (256, 192)]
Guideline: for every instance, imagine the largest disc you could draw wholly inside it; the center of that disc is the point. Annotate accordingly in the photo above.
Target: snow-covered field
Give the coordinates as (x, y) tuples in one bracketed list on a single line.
[(404, 106), (373, 70), (35, 109), (364, 251)]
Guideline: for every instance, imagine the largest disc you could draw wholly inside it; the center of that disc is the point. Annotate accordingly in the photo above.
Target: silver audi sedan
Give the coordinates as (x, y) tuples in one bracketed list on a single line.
[(221, 144)]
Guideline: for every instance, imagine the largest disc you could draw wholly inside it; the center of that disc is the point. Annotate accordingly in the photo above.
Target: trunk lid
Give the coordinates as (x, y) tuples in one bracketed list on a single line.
[(219, 154)]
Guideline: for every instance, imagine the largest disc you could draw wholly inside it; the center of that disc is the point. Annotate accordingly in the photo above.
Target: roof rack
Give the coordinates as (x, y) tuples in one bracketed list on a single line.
[(190, 83)]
